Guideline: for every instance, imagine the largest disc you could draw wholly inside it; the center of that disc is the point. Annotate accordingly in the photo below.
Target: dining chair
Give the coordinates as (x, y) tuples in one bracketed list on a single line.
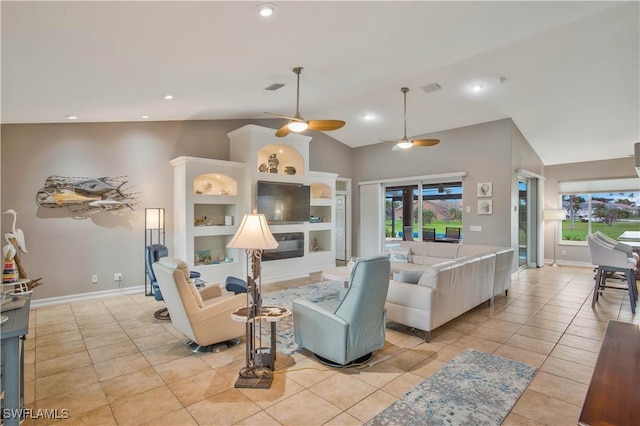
[(453, 233), (428, 234)]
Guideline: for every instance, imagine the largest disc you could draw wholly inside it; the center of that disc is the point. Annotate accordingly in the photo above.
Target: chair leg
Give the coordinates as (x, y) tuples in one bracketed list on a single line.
[(631, 284), (596, 288)]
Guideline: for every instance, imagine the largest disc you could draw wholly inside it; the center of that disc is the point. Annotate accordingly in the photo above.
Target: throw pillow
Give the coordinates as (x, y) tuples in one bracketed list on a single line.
[(400, 255), (410, 276)]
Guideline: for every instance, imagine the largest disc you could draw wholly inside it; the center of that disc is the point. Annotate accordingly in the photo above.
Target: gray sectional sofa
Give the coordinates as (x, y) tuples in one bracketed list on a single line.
[(434, 282)]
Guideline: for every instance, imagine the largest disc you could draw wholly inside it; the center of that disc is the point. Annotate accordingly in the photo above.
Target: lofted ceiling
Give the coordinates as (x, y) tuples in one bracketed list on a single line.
[(570, 70)]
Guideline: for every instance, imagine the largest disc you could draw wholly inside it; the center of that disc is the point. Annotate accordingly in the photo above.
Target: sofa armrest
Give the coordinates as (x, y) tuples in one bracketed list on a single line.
[(210, 292), (411, 295), (217, 306)]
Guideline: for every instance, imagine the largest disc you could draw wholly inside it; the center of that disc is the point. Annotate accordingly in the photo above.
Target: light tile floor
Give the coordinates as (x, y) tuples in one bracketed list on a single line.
[(108, 361)]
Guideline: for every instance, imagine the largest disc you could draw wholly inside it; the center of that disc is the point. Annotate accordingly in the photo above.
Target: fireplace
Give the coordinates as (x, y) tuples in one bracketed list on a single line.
[(290, 244)]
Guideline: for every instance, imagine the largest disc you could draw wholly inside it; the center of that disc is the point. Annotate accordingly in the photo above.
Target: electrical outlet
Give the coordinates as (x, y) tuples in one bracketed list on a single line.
[(117, 276), (94, 279), (564, 252)]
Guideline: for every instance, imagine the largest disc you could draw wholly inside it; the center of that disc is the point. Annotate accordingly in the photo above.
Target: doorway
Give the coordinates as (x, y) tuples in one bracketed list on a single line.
[(343, 219), (341, 227), (523, 223)]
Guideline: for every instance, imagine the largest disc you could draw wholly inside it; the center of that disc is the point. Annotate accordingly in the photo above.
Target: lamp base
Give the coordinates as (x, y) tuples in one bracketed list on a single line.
[(214, 347), (258, 381)]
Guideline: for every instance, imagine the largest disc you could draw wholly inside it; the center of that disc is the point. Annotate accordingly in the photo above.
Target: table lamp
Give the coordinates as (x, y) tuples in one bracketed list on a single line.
[(254, 236)]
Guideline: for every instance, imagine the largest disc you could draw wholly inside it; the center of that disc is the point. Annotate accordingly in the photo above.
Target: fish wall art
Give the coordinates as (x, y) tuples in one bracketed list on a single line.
[(82, 194)]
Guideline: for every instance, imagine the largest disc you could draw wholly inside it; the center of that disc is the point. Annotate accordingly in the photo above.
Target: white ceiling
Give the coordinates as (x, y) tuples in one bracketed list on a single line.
[(572, 68)]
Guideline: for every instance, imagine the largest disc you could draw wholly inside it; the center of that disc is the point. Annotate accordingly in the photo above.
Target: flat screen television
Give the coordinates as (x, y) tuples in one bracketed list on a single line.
[(283, 202)]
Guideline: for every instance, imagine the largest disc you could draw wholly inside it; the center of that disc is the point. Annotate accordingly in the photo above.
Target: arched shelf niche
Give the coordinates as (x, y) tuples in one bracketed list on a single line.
[(288, 160), (320, 190), (215, 184)]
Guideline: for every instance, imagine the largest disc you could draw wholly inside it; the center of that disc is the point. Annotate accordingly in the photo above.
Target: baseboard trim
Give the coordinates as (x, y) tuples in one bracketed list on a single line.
[(51, 301), (548, 262)]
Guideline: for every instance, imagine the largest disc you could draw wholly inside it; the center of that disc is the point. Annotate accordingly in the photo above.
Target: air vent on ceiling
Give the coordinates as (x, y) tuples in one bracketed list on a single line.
[(431, 87), (274, 86)]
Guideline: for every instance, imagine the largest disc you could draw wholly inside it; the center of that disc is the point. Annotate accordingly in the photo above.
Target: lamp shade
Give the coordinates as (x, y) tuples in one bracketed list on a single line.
[(154, 218), (253, 233), (554, 215)]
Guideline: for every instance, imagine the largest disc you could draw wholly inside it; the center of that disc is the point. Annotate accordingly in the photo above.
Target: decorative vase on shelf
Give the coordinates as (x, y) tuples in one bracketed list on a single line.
[(315, 246), (273, 163)]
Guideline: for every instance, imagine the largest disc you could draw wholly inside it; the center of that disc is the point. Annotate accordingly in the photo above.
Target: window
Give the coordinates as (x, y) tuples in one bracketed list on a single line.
[(609, 212), (441, 207)]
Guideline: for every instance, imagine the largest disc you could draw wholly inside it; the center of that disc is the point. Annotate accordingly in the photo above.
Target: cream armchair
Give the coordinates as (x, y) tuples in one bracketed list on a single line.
[(204, 315)]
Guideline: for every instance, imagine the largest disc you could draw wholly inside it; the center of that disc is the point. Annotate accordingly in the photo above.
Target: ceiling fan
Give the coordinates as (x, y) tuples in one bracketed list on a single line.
[(405, 142), (299, 124)]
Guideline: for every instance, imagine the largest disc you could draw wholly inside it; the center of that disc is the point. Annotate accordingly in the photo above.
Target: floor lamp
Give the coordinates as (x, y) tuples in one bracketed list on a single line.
[(254, 236), (153, 224), (555, 216)]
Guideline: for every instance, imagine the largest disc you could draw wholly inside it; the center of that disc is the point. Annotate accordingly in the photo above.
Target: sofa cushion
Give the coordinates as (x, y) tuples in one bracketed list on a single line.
[(474, 249), (411, 276), (396, 267), (400, 254), (429, 277), (443, 250)]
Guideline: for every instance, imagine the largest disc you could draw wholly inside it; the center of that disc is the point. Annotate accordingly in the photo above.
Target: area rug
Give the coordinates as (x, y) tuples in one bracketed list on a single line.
[(284, 329), (475, 388)]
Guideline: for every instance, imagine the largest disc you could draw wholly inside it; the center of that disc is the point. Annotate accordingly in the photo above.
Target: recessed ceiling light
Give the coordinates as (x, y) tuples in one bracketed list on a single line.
[(168, 96), (477, 88), (144, 116), (368, 117), (71, 116), (265, 10)]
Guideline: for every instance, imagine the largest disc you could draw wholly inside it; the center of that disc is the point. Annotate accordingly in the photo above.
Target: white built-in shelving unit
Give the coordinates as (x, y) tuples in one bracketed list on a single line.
[(211, 197)]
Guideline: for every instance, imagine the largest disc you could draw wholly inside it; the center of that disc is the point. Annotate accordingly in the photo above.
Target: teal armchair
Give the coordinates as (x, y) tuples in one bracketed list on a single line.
[(347, 330)]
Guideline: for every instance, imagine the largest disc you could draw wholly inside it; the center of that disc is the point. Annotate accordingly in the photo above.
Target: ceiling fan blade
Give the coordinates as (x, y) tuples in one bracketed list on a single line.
[(425, 142), (391, 140), (284, 116), (323, 125), (282, 131)]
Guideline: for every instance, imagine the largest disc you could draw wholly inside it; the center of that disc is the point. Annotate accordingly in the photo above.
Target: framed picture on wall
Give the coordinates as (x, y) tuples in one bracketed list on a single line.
[(485, 207), (485, 189)]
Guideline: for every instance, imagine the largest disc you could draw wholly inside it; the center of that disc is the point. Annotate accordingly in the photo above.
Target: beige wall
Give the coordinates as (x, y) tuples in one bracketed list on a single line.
[(591, 170), (483, 151), (66, 249)]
